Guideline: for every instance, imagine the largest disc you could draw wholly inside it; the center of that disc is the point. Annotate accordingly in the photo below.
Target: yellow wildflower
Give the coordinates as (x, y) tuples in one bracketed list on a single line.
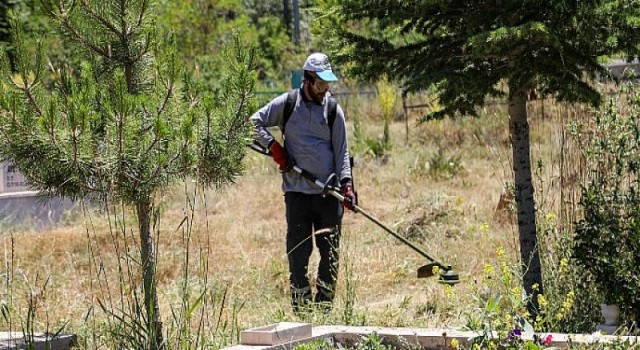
[(489, 271), (506, 273), (568, 303), (564, 263), (448, 290), (507, 319), (550, 217), (542, 301), (501, 253), (455, 343), (484, 228), (504, 267)]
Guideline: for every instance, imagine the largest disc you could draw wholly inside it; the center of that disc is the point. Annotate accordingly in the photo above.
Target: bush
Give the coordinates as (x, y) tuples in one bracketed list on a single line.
[(607, 239)]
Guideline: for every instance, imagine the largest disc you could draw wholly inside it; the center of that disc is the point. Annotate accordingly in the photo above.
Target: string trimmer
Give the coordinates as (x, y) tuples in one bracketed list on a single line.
[(445, 271)]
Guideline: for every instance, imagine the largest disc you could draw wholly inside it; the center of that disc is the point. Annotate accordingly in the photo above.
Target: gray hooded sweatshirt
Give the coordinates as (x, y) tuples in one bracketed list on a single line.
[(307, 140)]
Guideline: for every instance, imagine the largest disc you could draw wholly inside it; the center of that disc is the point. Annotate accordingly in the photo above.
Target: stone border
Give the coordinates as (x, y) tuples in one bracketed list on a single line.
[(278, 333), (425, 338)]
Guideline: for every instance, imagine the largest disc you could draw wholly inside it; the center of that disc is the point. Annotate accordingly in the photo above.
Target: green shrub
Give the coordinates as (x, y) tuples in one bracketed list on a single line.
[(607, 239)]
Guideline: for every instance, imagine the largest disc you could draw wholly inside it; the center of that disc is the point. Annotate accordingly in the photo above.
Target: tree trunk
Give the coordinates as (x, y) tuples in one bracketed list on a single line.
[(529, 254), (287, 16), (154, 326), (296, 23)]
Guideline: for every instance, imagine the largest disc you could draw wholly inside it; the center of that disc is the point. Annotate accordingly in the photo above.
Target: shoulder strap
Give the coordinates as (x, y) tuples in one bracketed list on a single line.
[(292, 97), (333, 108)]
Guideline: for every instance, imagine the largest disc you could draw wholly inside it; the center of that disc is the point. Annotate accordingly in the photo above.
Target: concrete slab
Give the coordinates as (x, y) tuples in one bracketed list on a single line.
[(424, 338), (40, 341), (275, 334)]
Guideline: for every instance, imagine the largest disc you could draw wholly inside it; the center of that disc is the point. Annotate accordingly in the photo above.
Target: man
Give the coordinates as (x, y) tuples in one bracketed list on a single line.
[(315, 139)]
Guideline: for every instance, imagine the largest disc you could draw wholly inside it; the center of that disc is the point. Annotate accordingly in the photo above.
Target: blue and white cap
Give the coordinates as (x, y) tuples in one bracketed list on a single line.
[(319, 63)]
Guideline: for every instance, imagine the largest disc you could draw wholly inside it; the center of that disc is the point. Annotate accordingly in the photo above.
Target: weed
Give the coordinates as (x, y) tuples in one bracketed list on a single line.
[(319, 344), (439, 165), (443, 166), (349, 313), (372, 342), (379, 147)]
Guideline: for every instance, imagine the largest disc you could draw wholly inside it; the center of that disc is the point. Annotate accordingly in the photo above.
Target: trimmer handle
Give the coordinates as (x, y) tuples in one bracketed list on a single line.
[(327, 186), (258, 148)]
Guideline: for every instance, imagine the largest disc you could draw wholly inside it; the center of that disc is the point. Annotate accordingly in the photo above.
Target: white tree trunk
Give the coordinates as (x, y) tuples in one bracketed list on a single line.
[(529, 254)]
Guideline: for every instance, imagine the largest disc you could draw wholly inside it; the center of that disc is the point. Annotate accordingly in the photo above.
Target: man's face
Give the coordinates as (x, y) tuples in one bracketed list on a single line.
[(318, 88)]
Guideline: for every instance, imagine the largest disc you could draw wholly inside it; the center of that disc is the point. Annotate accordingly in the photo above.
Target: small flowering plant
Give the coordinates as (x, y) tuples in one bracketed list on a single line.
[(514, 341), (501, 319), (544, 341)]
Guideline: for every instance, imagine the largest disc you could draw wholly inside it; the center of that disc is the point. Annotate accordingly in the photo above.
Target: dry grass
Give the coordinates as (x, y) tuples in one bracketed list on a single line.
[(240, 232)]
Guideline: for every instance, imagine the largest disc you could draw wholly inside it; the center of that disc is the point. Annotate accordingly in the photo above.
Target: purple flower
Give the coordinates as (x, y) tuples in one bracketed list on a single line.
[(514, 333)]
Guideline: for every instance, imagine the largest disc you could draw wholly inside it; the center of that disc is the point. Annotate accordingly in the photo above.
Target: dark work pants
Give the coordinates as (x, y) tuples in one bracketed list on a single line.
[(307, 214)]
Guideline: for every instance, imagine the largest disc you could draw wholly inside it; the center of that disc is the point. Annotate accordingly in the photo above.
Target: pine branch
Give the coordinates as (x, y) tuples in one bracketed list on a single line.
[(62, 17), (147, 43), (143, 10), (100, 51), (102, 20), (167, 96), (32, 100)]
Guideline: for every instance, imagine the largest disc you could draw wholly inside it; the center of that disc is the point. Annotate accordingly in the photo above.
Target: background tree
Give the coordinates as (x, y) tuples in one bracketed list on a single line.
[(203, 27), (5, 6), (5, 29), (122, 126), (257, 9), (466, 49)]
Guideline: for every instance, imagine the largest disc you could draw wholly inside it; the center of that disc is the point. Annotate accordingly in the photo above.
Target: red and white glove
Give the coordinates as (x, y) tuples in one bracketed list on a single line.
[(350, 201)]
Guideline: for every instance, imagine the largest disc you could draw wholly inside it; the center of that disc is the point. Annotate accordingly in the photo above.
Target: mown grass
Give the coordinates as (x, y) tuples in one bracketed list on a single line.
[(221, 255)]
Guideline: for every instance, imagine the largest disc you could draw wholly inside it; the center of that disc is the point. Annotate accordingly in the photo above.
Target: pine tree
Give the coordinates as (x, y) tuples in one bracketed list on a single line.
[(467, 48), (5, 35), (126, 124)]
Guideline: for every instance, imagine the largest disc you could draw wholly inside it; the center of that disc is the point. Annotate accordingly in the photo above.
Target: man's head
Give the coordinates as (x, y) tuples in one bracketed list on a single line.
[(318, 75), (319, 64)]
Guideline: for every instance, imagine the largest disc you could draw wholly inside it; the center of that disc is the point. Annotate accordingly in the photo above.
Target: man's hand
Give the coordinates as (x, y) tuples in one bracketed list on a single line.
[(279, 156), (350, 200)]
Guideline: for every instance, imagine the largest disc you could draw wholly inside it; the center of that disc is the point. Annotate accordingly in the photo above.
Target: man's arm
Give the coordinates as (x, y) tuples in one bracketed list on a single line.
[(268, 116), (341, 147)]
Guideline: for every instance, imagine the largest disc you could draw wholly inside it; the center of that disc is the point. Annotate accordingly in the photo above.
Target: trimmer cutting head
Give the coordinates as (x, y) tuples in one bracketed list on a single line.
[(445, 273), (449, 277)]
